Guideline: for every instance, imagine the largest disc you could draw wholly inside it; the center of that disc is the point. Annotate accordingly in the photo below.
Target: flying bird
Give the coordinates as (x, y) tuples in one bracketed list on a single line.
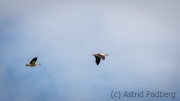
[(100, 56), (33, 62)]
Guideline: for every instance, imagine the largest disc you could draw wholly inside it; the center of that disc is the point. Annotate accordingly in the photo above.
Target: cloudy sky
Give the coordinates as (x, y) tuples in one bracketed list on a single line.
[(141, 37)]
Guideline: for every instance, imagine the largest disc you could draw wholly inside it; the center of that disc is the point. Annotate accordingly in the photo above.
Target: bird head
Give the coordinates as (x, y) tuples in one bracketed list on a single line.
[(27, 65)]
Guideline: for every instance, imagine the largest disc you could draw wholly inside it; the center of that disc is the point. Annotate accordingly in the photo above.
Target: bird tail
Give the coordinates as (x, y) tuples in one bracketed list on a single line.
[(106, 54)]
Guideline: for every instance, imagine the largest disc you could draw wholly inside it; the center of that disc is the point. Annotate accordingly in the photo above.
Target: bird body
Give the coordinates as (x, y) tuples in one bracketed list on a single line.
[(33, 63), (100, 56)]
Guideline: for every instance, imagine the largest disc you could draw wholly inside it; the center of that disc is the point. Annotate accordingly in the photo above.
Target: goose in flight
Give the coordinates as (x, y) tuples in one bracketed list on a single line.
[(33, 62), (100, 56)]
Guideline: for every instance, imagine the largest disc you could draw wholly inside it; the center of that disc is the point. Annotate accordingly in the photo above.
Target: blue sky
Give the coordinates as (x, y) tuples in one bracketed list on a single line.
[(141, 38)]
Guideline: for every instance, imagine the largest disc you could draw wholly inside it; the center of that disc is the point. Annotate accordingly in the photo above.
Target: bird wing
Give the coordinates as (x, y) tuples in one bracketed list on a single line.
[(97, 60), (33, 61), (103, 57)]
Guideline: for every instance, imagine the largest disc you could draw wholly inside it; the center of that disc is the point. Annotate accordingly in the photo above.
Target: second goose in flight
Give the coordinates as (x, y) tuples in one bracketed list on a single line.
[(100, 56)]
